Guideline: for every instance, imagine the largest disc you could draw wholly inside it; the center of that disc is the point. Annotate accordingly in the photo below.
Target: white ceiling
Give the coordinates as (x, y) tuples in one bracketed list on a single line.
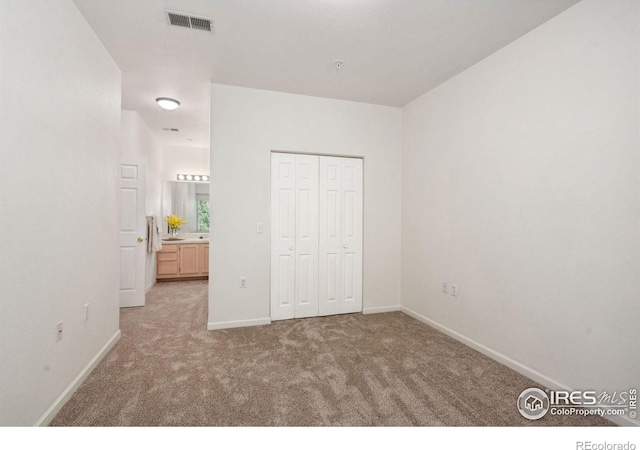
[(394, 50)]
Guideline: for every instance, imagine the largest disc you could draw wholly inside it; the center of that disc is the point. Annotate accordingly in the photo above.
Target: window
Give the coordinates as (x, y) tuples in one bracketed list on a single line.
[(202, 211)]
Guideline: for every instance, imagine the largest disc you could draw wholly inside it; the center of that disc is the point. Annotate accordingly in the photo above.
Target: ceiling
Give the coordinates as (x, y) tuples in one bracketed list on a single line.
[(394, 50)]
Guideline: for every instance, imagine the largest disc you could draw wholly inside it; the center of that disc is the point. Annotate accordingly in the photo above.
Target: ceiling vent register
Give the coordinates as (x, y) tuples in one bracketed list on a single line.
[(187, 21)]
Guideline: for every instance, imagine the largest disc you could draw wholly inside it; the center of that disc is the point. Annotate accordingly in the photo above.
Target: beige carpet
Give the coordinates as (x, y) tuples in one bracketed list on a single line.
[(349, 370)]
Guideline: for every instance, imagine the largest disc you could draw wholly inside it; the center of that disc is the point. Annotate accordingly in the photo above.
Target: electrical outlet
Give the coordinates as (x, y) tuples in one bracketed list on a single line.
[(59, 331), (86, 311), (243, 282), (454, 290), (444, 287)]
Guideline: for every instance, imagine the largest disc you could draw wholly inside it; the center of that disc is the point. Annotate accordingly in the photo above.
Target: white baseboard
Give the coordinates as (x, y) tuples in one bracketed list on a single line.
[(522, 369), (238, 323), (150, 286), (63, 398), (381, 309)]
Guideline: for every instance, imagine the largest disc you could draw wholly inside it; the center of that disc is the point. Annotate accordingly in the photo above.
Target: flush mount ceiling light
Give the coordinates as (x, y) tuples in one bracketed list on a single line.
[(167, 103)]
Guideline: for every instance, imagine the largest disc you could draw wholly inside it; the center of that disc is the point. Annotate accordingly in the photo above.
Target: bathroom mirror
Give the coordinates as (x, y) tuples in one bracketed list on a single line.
[(189, 200)]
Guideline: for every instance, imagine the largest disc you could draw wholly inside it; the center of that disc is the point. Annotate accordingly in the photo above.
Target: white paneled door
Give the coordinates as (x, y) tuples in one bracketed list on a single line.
[(294, 236), (283, 240), (310, 217), (340, 275), (132, 231)]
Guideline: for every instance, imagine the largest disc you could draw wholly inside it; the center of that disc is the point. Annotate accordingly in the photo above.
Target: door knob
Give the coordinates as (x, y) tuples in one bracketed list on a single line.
[(140, 239), (344, 246), (291, 248)]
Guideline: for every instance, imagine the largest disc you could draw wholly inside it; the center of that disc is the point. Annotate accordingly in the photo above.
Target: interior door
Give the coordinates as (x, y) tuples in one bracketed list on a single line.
[(330, 274), (306, 238), (132, 231), (340, 239), (316, 235), (351, 171), (282, 235)]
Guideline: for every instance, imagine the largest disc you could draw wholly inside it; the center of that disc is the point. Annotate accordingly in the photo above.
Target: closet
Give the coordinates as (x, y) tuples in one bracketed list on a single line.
[(316, 235)]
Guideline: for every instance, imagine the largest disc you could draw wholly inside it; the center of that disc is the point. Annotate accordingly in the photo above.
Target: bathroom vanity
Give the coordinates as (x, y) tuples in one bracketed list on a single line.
[(182, 260)]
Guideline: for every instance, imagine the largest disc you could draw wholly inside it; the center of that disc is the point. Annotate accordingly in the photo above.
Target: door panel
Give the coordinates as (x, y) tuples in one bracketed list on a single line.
[(331, 293), (306, 239), (340, 275), (282, 236), (189, 259), (204, 259), (127, 276), (352, 235), (132, 231), (330, 274)]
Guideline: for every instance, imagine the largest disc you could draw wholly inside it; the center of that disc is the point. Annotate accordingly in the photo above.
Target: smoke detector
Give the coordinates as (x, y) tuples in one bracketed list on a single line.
[(189, 21), (338, 63)]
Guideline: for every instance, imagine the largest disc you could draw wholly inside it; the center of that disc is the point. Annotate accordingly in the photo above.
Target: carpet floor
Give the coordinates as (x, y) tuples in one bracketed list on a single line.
[(350, 370)]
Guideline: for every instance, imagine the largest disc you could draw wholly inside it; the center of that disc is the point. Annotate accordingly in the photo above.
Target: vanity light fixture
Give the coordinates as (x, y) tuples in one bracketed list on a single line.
[(189, 177), (167, 103)]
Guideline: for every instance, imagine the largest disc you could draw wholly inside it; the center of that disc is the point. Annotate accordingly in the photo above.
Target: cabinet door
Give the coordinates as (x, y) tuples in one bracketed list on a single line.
[(204, 258), (189, 264)]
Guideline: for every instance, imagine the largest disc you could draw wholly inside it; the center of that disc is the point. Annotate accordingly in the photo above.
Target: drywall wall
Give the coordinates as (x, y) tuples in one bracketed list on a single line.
[(246, 125), (138, 140), (190, 160), (520, 184), (60, 133)]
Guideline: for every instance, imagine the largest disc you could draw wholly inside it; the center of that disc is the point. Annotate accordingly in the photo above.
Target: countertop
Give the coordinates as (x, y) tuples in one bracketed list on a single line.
[(186, 241)]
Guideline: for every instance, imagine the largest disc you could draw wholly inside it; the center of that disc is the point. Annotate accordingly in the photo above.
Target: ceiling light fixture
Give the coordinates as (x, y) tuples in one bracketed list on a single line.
[(189, 177), (167, 103)]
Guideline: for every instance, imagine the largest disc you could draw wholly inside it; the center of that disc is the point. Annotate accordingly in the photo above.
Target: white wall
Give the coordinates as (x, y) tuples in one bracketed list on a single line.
[(521, 184), (192, 160), (246, 125), (137, 140), (60, 128)]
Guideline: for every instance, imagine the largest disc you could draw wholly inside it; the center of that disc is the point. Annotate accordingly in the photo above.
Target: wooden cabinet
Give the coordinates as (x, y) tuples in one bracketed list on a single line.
[(168, 261), (183, 261), (204, 259)]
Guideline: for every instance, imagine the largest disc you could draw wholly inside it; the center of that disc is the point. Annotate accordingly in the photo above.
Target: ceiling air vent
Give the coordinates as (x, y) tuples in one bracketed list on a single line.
[(187, 21)]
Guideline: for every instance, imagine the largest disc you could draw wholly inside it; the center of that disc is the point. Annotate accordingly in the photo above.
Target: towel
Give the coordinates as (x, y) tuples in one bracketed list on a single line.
[(154, 243)]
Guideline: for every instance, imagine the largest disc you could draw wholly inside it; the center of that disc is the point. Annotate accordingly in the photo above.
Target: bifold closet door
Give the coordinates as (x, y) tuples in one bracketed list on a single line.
[(294, 236), (340, 240)]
